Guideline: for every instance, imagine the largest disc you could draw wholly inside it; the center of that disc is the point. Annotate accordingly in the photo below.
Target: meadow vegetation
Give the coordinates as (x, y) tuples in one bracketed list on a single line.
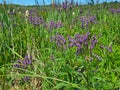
[(65, 47)]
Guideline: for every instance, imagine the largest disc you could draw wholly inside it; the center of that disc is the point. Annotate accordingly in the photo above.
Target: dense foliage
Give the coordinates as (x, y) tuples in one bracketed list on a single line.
[(66, 47)]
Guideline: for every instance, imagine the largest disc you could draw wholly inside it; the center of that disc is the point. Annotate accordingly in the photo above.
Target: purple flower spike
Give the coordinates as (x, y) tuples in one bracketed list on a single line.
[(19, 61), (93, 42), (71, 45), (29, 61), (24, 62), (81, 40), (78, 45), (55, 25), (85, 37), (64, 5), (35, 20), (81, 11), (26, 78), (87, 20), (76, 4), (92, 46), (17, 65), (60, 41), (88, 33), (26, 57)]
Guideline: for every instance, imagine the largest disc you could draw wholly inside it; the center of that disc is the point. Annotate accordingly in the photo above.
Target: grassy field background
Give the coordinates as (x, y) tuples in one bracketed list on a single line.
[(65, 47)]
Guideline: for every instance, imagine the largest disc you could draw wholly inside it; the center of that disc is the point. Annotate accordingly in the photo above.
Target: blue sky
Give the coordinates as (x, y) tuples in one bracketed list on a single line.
[(47, 2)]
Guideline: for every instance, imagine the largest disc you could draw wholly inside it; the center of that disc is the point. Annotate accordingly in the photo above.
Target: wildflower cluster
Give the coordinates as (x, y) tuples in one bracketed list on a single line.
[(69, 5), (22, 64), (59, 40), (108, 48), (93, 41), (115, 10), (87, 20), (82, 42), (32, 12), (55, 25), (80, 11), (34, 18)]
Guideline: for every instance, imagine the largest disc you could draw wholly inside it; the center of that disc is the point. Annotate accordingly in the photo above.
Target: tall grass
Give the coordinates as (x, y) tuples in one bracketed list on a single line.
[(31, 58)]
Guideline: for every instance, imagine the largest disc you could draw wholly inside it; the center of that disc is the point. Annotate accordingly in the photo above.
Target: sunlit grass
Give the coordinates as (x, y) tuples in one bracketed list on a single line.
[(50, 63)]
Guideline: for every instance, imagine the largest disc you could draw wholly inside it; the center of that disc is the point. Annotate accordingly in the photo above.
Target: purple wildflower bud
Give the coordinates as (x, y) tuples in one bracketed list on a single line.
[(26, 57), (64, 5), (69, 38), (60, 41), (87, 20), (31, 19), (94, 37), (32, 12), (30, 57), (36, 20), (45, 25), (102, 47), (41, 20), (78, 51), (24, 62), (88, 33), (109, 49), (86, 43), (78, 45), (81, 40), (93, 42), (118, 11), (28, 61), (92, 18), (76, 4), (26, 78), (92, 46), (77, 36), (51, 25), (59, 24), (83, 19), (17, 65), (82, 25), (84, 37), (71, 45), (81, 11), (112, 10), (19, 61)]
